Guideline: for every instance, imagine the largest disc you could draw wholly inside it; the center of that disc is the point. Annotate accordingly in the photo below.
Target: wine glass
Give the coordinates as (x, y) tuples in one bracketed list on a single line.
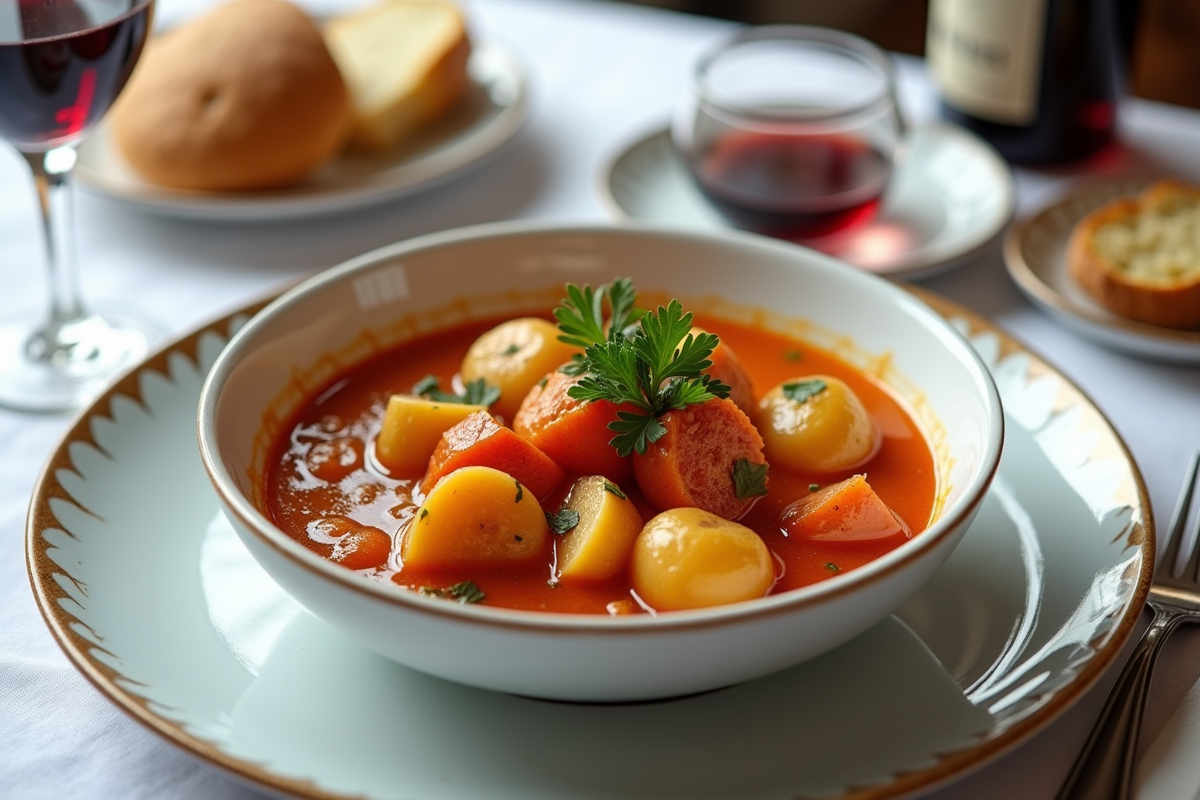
[(62, 63), (792, 131)]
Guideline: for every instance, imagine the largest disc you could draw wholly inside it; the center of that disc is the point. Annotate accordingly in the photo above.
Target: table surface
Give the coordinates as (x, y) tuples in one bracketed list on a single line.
[(602, 74)]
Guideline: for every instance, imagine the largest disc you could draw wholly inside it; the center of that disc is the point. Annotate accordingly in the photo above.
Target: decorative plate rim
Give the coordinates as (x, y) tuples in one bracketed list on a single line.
[(947, 767)]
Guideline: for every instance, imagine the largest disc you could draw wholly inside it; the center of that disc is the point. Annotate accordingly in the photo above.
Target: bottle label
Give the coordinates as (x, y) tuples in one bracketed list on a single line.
[(985, 55)]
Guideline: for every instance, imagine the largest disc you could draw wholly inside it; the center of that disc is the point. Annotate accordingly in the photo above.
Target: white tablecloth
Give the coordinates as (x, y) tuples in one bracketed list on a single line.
[(602, 74)]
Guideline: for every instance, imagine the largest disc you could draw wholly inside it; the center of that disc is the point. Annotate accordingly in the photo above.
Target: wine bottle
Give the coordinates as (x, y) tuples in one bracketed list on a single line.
[(1038, 79)]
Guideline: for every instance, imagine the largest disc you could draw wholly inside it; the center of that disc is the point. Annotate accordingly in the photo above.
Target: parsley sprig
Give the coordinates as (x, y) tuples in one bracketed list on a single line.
[(651, 361), (581, 317)]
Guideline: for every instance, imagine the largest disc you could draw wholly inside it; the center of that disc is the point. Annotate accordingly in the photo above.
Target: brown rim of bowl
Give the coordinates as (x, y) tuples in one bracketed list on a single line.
[(949, 767)]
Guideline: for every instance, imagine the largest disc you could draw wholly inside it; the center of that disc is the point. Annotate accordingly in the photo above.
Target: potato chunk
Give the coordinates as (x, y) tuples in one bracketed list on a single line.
[(689, 558), (816, 424), (514, 356), (412, 428), (600, 544), (476, 516)]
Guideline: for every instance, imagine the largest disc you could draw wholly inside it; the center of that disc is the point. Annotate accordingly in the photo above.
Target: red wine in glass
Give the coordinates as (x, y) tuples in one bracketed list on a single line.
[(62, 64), (798, 187)]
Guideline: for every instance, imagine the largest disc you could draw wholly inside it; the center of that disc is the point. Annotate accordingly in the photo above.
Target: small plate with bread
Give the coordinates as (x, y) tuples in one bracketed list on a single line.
[(1118, 261), (256, 111)]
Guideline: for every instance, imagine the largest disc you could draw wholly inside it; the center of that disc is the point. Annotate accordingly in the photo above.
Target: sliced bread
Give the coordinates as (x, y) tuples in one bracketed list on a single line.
[(1139, 257), (405, 63)]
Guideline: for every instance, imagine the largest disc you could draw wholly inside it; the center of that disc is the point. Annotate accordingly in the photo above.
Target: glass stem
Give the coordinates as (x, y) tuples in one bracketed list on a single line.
[(52, 180)]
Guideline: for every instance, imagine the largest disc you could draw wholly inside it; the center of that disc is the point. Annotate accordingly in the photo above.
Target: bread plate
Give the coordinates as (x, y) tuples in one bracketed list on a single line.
[(1035, 256), (492, 113)]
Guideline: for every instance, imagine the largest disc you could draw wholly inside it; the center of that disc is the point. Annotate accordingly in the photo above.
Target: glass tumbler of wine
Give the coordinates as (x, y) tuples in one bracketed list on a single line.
[(62, 63), (792, 131)]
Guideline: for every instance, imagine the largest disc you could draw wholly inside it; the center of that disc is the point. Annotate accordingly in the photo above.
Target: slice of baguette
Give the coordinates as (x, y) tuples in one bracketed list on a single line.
[(1139, 257), (405, 63)]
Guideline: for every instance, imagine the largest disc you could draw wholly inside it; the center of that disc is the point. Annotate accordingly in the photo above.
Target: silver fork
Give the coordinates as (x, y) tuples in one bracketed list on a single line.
[(1104, 769)]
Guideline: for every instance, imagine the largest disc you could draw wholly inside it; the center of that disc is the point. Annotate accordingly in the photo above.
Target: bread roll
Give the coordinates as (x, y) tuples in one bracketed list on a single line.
[(405, 63), (1139, 257), (244, 97)]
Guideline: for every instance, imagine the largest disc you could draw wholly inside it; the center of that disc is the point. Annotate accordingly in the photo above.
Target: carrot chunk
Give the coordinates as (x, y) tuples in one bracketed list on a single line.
[(848, 511), (480, 441), (711, 457), (574, 433)]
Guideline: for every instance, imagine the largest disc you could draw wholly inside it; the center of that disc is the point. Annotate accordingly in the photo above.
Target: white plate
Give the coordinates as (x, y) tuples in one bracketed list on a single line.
[(1034, 252), (950, 197), (490, 115), (154, 599)]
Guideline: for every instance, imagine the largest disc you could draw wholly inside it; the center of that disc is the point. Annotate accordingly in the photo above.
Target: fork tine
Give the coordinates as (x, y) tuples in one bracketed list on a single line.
[(1176, 538)]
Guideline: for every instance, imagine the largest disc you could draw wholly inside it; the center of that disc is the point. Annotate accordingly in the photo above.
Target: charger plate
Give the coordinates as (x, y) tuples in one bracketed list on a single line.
[(152, 597)]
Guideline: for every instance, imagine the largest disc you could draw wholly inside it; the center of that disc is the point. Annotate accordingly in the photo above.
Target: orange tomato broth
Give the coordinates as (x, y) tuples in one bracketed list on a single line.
[(902, 474)]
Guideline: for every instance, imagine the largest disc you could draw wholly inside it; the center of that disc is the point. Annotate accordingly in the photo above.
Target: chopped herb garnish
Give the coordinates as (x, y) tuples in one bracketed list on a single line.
[(520, 491), (792, 355), (424, 513), (563, 521), (812, 487), (475, 393), (463, 592), (478, 393), (799, 391), (749, 479), (832, 567), (612, 488), (542, 382), (656, 366), (511, 350)]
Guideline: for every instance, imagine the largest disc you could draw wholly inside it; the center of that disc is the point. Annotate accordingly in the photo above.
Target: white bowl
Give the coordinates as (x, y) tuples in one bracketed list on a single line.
[(304, 339)]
